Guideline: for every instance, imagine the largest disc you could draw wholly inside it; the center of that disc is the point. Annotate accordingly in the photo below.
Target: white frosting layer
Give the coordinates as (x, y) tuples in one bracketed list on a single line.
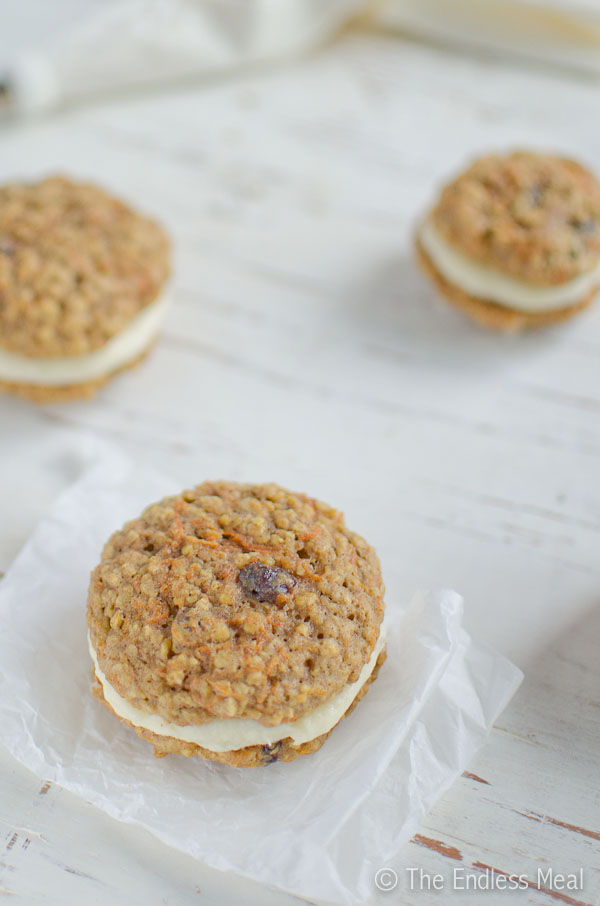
[(488, 284), (123, 348), (228, 734)]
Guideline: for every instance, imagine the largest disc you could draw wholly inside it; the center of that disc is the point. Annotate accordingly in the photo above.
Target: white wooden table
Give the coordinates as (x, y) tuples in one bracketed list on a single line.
[(305, 348)]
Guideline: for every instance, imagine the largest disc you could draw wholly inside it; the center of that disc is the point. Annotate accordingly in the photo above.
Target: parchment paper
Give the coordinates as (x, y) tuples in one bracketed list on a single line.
[(319, 827)]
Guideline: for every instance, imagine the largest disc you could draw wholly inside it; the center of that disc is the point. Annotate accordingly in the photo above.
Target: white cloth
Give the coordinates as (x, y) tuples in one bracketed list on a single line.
[(134, 43), (566, 32)]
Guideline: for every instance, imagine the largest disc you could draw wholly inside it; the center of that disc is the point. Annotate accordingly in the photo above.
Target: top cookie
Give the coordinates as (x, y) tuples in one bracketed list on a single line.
[(76, 265), (235, 601), (533, 216)]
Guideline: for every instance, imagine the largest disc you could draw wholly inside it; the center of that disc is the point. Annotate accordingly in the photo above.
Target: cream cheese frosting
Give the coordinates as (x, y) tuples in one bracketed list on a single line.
[(123, 348), (491, 285), (226, 735)]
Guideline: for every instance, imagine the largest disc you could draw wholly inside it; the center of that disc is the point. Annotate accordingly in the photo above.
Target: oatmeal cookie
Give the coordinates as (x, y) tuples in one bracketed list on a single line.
[(250, 756), (81, 279), (243, 603), (66, 393), (514, 240), (490, 314)]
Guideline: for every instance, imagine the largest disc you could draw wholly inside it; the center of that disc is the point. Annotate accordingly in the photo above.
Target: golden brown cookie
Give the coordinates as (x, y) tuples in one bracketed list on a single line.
[(514, 240), (81, 281), (243, 603), (250, 756), (67, 392), (489, 314)]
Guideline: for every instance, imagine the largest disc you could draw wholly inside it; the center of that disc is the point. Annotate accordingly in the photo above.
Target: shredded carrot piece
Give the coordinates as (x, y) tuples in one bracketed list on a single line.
[(242, 542), (159, 617)]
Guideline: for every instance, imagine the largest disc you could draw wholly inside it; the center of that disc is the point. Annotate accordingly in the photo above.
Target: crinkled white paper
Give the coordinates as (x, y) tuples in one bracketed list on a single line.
[(319, 827)]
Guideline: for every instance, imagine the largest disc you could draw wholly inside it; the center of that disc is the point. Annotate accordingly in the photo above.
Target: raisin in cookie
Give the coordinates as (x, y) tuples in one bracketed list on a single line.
[(236, 622), (514, 240), (81, 288)]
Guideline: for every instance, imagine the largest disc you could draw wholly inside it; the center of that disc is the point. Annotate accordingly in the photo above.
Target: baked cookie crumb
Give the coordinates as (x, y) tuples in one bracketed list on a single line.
[(82, 277), (233, 601), (514, 240), (490, 315)]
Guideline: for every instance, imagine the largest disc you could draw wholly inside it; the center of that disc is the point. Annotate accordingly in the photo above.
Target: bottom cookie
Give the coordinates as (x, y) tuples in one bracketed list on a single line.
[(250, 757), (489, 314), (37, 393)]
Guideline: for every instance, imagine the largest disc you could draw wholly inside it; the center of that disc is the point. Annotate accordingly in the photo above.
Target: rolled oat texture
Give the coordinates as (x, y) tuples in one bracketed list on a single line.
[(234, 601)]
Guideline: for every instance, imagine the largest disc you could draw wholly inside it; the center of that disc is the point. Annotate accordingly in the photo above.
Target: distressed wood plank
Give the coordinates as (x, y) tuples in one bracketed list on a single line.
[(470, 460)]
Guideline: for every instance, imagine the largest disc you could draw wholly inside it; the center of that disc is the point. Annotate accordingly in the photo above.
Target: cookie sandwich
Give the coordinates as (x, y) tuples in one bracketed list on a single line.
[(237, 622), (82, 288), (514, 240)]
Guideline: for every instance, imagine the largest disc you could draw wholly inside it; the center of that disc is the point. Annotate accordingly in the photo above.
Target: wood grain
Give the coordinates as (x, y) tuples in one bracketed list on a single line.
[(305, 347)]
